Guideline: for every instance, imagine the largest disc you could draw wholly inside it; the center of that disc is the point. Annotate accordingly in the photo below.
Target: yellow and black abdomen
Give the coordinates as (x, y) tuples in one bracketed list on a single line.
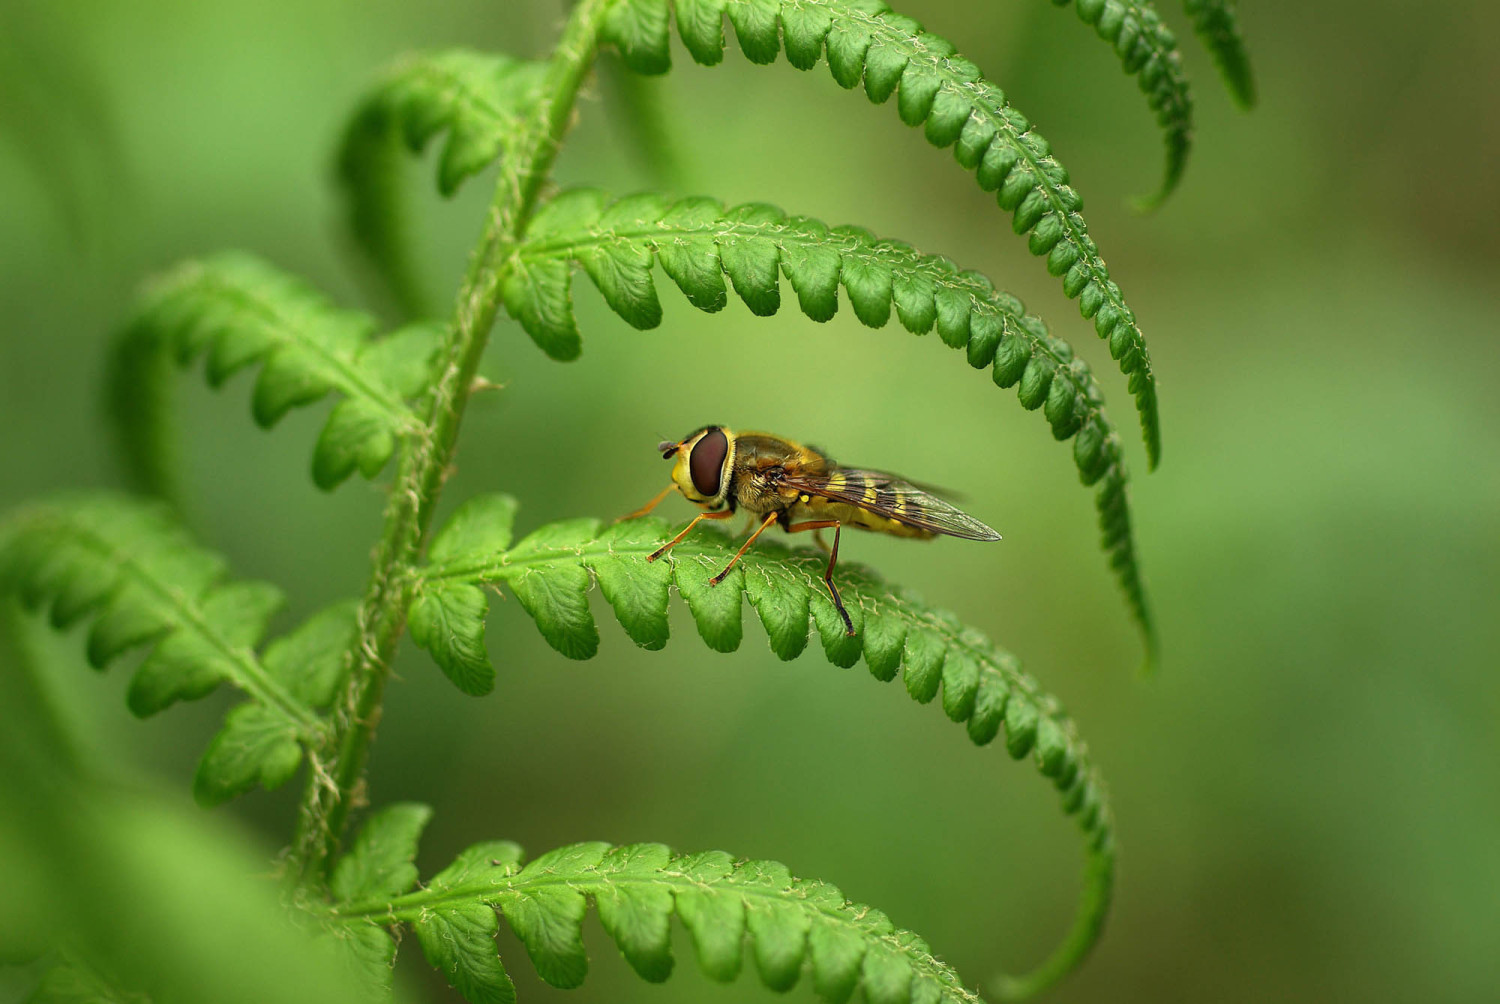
[(816, 508)]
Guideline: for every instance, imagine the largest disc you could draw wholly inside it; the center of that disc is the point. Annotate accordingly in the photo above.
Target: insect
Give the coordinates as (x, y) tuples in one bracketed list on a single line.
[(778, 481)]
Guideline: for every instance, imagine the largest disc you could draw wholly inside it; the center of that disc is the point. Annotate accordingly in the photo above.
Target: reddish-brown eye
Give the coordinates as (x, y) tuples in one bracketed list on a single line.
[(706, 463)]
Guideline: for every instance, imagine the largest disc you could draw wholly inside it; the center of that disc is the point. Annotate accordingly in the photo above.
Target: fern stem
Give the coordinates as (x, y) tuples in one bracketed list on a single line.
[(335, 781)]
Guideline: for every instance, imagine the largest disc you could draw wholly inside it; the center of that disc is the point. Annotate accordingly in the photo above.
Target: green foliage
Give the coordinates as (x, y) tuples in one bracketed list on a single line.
[(982, 687), (552, 569), (480, 100), (1217, 23), (238, 310), (70, 982), (127, 565), (864, 41), (697, 242), (790, 924), (1148, 51), (145, 583)]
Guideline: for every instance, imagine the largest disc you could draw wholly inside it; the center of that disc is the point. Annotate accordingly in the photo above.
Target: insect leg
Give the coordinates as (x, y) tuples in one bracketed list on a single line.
[(833, 559), (649, 505), (770, 518), (726, 514)]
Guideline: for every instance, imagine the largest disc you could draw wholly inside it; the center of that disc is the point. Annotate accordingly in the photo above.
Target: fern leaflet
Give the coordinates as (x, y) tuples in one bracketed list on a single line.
[(239, 310), (1148, 51), (697, 242), (790, 923), (480, 100), (1217, 23), (947, 95), (146, 583), (551, 571)]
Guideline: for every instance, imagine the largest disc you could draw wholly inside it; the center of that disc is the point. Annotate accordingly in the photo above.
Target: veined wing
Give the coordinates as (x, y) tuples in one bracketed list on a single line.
[(890, 496)]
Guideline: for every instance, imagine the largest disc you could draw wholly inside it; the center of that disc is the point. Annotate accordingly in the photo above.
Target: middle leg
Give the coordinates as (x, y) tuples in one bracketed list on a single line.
[(833, 559)]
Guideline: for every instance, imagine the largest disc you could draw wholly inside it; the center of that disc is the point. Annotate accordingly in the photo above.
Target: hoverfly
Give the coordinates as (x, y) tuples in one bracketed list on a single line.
[(778, 481)]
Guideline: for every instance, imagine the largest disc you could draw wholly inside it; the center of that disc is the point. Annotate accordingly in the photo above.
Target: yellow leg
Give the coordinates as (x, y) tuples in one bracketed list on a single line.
[(726, 514), (770, 518), (833, 558), (643, 510)]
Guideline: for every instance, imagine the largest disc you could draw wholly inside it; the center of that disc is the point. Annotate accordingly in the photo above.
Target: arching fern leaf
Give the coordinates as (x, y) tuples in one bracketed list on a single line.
[(479, 100), (238, 310), (145, 583), (790, 924), (935, 88), (1217, 23), (697, 242), (1148, 51), (551, 571)]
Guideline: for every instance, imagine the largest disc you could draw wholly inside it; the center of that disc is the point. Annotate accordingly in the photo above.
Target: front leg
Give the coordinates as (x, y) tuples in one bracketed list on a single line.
[(726, 514), (770, 518)]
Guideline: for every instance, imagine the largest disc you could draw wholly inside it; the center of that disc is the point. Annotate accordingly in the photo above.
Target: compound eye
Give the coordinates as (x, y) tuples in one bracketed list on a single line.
[(706, 462)]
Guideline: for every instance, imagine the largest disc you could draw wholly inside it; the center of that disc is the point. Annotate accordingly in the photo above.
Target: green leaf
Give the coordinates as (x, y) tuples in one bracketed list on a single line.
[(698, 242), (237, 310), (481, 526), (546, 911), (981, 687), (448, 621), (635, 588), (540, 297), (949, 97), (481, 101), (791, 924), (379, 863), (1217, 23), (638, 28), (309, 661), (478, 864), (1148, 51), (256, 746), (369, 953), (145, 582), (459, 942)]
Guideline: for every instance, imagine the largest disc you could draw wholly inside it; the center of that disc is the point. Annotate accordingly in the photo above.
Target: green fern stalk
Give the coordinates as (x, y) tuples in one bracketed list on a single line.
[(423, 463)]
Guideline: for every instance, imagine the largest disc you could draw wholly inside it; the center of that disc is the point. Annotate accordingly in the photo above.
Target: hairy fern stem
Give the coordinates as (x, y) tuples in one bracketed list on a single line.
[(333, 785)]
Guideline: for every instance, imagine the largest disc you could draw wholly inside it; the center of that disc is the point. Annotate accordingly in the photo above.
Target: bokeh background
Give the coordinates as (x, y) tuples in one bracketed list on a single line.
[(1308, 795)]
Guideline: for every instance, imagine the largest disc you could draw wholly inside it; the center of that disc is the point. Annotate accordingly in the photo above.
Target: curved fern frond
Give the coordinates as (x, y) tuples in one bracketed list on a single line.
[(238, 310), (791, 924), (698, 242), (551, 571), (1217, 23), (146, 583), (479, 99), (864, 41), (1148, 51)]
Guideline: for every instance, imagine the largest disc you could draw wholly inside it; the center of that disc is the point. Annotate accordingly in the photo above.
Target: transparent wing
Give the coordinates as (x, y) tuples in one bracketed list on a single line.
[(890, 496)]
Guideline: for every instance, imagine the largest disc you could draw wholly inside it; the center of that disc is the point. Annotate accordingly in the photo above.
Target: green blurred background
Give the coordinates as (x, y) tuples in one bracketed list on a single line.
[(1308, 796)]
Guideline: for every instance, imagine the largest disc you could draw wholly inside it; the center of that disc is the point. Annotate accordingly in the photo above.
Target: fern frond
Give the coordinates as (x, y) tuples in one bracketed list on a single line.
[(1148, 51), (698, 242), (550, 573), (479, 100), (1217, 23), (238, 310), (128, 565), (791, 924), (864, 41)]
